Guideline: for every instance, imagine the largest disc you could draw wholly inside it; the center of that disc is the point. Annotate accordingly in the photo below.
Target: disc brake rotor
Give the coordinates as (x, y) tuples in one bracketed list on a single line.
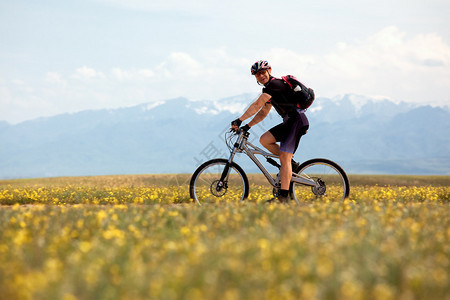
[(218, 188), (320, 189)]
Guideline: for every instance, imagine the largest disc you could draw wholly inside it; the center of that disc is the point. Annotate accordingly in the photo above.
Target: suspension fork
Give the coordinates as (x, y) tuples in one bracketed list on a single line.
[(226, 170)]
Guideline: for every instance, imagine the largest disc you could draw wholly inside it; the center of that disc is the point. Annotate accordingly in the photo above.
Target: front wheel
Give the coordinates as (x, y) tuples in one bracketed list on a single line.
[(206, 186), (331, 182)]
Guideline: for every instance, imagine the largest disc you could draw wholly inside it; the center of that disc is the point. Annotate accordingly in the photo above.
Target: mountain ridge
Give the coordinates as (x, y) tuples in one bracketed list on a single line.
[(175, 135)]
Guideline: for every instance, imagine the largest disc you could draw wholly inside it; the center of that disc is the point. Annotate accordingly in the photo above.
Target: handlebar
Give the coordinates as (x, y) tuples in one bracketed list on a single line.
[(229, 137), (244, 128)]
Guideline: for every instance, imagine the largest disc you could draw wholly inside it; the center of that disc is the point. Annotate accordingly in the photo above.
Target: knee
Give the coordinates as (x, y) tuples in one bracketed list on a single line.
[(286, 157), (264, 140)]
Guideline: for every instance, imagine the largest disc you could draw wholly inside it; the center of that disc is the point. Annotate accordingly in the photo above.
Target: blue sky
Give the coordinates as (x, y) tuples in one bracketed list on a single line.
[(66, 56)]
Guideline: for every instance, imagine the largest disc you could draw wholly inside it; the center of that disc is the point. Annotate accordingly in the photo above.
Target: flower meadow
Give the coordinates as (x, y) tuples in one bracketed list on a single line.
[(138, 237)]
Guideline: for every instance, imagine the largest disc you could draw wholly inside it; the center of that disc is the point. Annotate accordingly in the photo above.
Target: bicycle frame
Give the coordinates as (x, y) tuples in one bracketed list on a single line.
[(243, 145)]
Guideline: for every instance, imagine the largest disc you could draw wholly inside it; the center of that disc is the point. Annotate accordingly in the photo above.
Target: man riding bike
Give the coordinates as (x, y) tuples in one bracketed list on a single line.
[(295, 123)]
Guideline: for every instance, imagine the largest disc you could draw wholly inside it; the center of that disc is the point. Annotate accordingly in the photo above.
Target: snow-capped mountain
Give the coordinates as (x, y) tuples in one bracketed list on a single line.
[(174, 136)]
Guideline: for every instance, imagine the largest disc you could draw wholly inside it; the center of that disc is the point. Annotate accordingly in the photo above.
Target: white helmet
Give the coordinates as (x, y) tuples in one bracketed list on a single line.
[(260, 65)]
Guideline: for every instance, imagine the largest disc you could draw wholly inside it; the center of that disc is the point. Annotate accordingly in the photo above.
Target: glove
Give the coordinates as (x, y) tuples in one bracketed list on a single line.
[(236, 122), (245, 128)]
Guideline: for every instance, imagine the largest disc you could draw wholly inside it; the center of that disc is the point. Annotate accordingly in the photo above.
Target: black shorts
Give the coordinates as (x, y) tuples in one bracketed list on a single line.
[(290, 131)]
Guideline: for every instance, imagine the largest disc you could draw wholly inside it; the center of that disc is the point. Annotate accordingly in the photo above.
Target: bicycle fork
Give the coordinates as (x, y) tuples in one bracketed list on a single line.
[(222, 183)]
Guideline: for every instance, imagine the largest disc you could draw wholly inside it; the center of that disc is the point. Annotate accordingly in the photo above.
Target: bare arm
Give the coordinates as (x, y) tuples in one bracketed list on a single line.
[(256, 107), (261, 115)]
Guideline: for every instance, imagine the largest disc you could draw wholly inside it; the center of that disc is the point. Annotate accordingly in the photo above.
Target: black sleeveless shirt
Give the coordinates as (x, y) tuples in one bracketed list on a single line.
[(281, 95)]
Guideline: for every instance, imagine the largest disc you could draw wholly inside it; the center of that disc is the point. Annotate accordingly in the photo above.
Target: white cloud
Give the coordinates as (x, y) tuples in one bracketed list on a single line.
[(131, 75), (55, 78), (120, 74), (5, 95), (179, 63), (144, 73), (87, 73), (387, 64)]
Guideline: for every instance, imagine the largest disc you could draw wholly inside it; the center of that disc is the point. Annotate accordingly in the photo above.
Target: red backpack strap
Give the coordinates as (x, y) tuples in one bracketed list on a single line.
[(286, 79)]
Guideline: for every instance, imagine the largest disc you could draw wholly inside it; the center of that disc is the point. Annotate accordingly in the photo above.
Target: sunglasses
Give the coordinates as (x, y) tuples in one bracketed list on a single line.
[(260, 72)]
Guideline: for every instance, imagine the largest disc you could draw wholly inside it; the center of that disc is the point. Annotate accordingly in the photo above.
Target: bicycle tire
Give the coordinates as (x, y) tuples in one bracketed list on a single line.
[(331, 179), (203, 186)]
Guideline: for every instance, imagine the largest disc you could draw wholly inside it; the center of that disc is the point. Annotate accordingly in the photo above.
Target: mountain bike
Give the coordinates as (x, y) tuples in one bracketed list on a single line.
[(223, 179)]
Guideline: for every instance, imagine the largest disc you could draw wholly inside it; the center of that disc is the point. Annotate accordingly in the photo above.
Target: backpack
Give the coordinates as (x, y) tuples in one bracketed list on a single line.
[(301, 94)]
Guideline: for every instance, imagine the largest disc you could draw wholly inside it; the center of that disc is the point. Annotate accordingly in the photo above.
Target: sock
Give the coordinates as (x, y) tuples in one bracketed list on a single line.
[(295, 165), (283, 193)]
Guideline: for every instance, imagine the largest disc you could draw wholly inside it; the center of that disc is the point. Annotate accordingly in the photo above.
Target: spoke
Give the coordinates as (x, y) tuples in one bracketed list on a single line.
[(330, 183), (207, 180)]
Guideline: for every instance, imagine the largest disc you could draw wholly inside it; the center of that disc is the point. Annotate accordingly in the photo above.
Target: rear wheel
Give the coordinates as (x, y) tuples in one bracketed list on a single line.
[(331, 181), (206, 186)]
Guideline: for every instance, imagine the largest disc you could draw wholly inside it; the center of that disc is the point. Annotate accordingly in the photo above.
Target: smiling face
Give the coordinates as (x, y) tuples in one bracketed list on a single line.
[(263, 76)]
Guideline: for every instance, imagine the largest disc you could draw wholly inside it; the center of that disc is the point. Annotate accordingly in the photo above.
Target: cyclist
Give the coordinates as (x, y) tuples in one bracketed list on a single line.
[(295, 123)]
